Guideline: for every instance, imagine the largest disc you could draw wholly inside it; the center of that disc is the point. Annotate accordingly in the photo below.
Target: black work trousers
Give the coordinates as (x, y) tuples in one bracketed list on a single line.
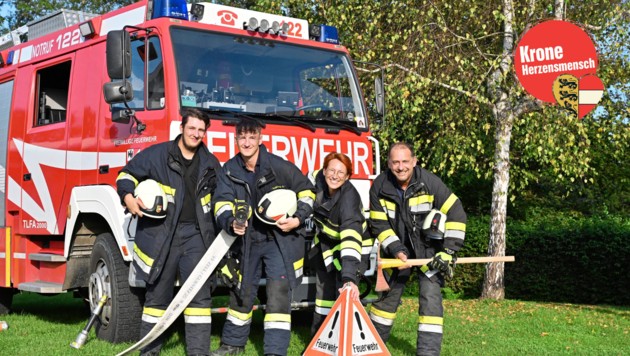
[(185, 252)]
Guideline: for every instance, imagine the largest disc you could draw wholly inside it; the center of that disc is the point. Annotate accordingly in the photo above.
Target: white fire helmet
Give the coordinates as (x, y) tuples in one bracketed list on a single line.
[(433, 226), (153, 198), (275, 205)]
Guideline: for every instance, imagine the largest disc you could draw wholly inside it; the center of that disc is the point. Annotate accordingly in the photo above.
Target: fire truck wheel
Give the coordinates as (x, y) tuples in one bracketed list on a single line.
[(120, 318), (6, 299)]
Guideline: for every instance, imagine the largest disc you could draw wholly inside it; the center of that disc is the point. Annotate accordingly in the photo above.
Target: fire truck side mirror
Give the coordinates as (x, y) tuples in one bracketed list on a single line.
[(380, 96), (118, 92), (118, 55)]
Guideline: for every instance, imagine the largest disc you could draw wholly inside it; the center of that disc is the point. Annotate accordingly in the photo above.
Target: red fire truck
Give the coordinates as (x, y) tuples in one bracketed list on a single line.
[(77, 103)]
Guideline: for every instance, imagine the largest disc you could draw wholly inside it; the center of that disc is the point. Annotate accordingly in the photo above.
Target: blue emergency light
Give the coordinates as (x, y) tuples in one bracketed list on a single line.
[(324, 33), (176, 9)]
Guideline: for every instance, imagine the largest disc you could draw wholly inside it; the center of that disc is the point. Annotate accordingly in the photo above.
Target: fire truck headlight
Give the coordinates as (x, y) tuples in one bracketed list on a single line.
[(252, 24), (264, 26)]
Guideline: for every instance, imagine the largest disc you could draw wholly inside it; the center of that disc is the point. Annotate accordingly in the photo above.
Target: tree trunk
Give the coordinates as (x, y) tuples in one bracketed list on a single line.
[(493, 286), (503, 113)]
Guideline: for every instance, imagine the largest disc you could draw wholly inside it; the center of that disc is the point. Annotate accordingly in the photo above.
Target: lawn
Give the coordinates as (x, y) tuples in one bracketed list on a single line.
[(43, 325)]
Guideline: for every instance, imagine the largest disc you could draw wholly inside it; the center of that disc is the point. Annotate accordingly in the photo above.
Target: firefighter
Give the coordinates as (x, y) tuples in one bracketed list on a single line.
[(341, 236), (400, 199), (166, 248), (276, 250)]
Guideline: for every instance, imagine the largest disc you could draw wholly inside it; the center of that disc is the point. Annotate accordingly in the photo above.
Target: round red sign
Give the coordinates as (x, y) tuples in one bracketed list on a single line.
[(550, 49)]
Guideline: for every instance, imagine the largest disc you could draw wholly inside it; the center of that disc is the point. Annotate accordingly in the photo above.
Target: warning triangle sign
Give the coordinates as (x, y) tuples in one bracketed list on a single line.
[(346, 331)]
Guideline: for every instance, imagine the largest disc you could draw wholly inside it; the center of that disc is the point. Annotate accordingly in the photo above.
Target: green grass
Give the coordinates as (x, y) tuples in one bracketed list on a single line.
[(46, 325)]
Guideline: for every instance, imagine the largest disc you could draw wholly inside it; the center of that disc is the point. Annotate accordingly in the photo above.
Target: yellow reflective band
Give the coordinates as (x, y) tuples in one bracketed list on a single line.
[(330, 252), (324, 303), (146, 259), (350, 233), (206, 200), (389, 205), (385, 234), (377, 215), (435, 320), (330, 232), (153, 311), (124, 175), (239, 315), (222, 204), (306, 194), (337, 264), (351, 244), (455, 226), (167, 190), (278, 317), (298, 264), (197, 311), (420, 200), (448, 203), (382, 314), (367, 242), (7, 257)]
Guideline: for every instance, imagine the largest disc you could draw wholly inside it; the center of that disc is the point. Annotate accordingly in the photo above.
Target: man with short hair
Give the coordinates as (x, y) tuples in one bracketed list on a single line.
[(276, 250), (166, 248), (400, 200)]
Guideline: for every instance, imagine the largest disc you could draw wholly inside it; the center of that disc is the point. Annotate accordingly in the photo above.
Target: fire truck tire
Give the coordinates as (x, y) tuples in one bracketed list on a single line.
[(120, 318), (6, 299)]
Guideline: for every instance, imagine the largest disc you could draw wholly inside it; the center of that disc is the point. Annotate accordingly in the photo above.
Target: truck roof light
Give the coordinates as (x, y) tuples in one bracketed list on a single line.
[(252, 24), (10, 57), (275, 28), (196, 11), (324, 33), (87, 29), (176, 9), (264, 26)]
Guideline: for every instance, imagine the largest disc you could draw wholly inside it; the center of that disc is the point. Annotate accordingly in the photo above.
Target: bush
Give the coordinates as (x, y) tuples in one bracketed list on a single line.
[(563, 258), (560, 257)]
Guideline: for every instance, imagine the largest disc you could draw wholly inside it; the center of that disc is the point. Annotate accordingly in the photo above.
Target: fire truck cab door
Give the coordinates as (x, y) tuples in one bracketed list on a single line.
[(45, 148)]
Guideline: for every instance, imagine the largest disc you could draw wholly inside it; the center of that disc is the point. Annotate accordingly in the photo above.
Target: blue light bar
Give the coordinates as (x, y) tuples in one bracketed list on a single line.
[(329, 34), (176, 9)]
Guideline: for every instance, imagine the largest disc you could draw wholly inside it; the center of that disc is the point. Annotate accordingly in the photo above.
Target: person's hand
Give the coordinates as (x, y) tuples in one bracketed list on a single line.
[(134, 205), (403, 257), (288, 224), (442, 261), (239, 229), (354, 290)]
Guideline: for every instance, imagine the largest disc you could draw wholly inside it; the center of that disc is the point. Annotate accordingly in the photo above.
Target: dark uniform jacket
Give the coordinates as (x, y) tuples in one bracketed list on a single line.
[(274, 173), (153, 237), (341, 228), (397, 220)]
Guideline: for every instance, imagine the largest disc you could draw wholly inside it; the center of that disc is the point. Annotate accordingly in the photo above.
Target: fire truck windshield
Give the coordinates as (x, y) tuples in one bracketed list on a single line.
[(272, 80)]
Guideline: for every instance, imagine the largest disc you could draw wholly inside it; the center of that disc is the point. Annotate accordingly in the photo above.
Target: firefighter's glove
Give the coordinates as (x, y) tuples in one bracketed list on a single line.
[(444, 262), (229, 273)]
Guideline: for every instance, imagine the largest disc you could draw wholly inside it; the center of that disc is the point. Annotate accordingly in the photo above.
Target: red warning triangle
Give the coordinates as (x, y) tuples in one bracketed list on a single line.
[(346, 331)]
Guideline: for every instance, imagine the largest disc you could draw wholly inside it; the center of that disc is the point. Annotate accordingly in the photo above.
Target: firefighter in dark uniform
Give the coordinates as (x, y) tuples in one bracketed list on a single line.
[(342, 236), (278, 250), (400, 199), (167, 248)]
